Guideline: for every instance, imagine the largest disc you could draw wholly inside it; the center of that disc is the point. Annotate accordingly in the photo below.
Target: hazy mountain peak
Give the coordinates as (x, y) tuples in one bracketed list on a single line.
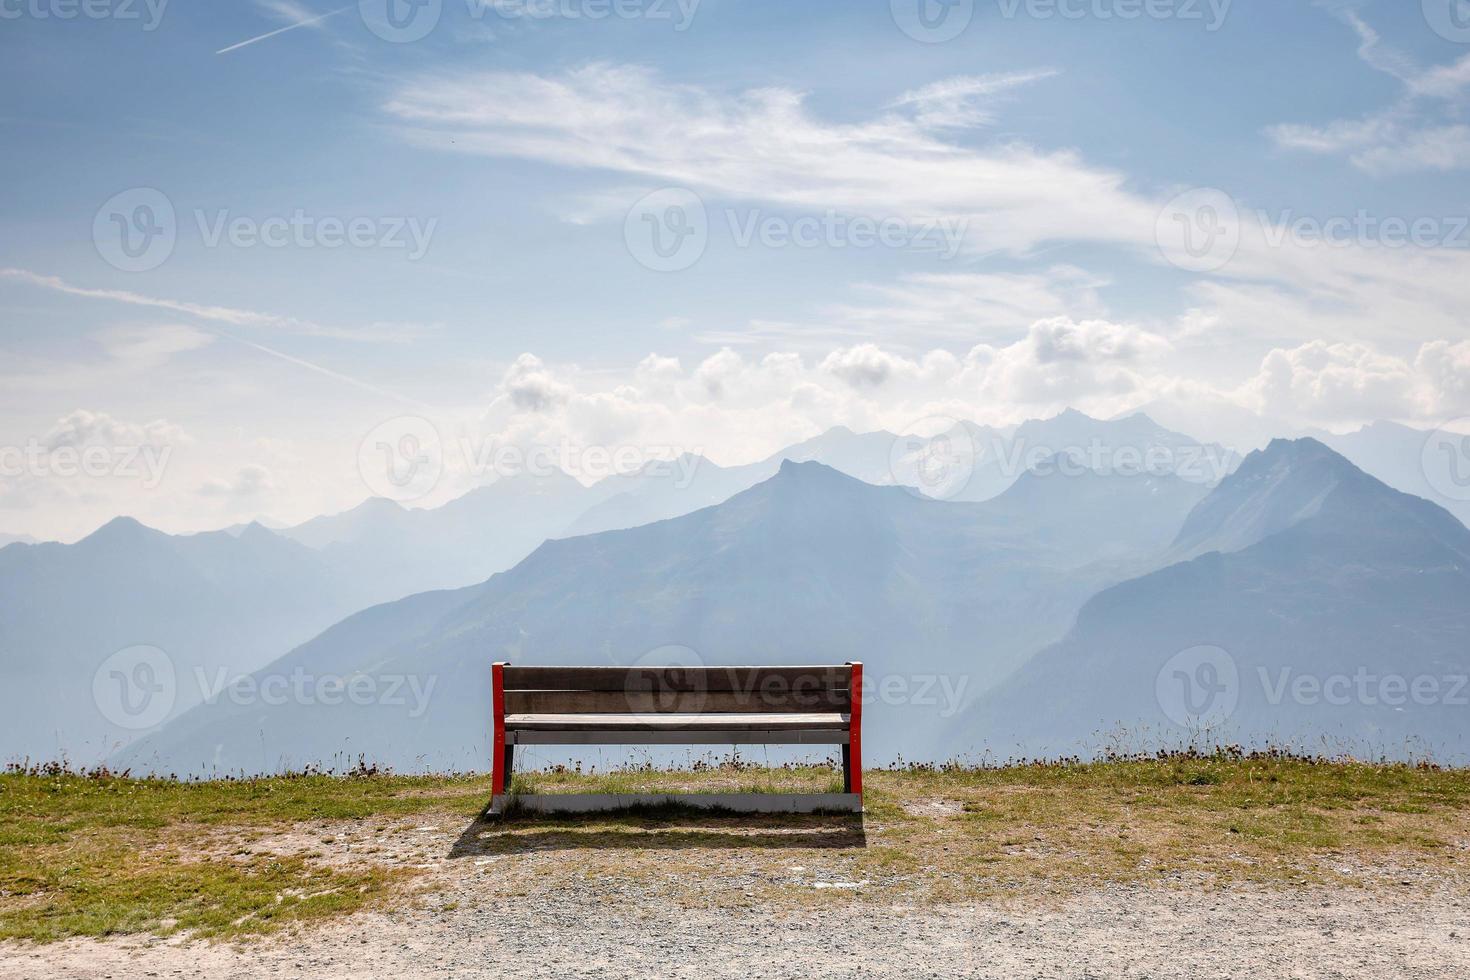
[(809, 474), (121, 530), (257, 531), (1296, 480)]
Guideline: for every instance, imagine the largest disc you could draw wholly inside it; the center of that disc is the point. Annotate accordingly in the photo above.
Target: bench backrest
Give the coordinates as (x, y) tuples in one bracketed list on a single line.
[(681, 690)]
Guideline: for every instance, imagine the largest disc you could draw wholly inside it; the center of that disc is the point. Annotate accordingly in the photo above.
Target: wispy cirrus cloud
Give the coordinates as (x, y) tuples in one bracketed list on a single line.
[(766, 145), (232, 316), (965, 100), (295, 15), (1420, 133)]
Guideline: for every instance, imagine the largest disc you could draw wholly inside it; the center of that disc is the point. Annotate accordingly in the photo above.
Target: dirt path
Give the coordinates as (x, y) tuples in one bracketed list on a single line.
[(603, 931), (717, 901)]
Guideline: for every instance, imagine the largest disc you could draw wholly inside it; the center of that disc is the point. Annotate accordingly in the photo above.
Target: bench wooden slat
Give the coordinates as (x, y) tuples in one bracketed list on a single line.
[(678, 702), (666, 705), (794, 721), (661, 679), (684, 736)]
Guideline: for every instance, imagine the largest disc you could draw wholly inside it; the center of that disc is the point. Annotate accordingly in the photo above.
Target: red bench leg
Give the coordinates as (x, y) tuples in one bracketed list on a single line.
[(852, 752), (500, 753)]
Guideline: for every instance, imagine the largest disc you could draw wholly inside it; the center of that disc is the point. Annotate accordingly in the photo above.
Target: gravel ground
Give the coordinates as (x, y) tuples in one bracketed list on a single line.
[(602, 931), (552, 910)]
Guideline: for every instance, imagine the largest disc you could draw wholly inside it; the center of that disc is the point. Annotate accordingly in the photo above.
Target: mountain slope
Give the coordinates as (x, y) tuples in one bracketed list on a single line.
[(1396, 455), (485, 531), (691, 483), (938, 599), (1320, 593), (1134, 444), (210, 602)]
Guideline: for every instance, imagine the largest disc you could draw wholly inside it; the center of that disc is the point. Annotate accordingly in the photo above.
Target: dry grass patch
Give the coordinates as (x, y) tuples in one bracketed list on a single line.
[(103, 855)]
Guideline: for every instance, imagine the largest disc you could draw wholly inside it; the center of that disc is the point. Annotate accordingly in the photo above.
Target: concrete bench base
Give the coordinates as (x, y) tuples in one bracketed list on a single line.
[(733, 802)]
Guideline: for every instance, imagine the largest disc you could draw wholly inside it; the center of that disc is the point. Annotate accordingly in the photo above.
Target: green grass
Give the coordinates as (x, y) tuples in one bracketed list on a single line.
[(96, 856), (103, 855), (719, 779)]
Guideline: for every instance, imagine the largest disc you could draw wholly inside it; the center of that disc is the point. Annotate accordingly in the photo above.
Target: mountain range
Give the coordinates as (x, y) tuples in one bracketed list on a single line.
[(211, 601), (1311, 606), (1040, 527), (808, 566)]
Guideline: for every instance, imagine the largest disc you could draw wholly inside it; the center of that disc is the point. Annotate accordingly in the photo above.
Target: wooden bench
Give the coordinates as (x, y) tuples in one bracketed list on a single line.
[(678, 706)]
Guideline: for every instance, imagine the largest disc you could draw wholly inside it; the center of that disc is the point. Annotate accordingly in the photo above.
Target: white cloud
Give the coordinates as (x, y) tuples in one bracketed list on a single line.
[(246, 488), (82, 427), (231, 316), (964, 100), (765, 145), (1412, 136), (864, 366), (531, 388), (148, 346), (1340, 384)]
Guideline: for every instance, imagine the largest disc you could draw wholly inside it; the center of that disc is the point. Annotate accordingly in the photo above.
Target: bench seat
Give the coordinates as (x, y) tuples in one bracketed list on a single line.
[(672, 705), (728, 721)]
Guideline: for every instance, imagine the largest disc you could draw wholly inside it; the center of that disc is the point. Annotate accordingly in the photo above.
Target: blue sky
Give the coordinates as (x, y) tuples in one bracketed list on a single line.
[(1041, 149)]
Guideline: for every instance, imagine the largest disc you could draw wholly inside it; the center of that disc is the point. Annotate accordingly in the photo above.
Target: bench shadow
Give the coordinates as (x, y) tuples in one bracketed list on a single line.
[(531, 833)]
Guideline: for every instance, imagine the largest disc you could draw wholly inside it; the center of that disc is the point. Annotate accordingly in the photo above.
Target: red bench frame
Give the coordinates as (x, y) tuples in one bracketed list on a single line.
[(616, 706)]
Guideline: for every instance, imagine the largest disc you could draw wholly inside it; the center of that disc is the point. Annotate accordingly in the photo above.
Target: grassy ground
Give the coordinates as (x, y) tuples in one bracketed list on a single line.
[(99, 855)]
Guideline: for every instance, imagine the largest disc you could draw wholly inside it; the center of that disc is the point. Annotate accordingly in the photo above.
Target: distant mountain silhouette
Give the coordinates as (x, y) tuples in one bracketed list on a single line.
[(692, 483), (211, 601), (1317, 594), (809, 566), (1395, 454), (487, 530), (1134, 443)]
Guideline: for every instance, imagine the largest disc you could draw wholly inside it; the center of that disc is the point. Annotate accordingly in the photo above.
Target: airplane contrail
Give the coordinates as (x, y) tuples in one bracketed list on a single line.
[(281, 30)]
